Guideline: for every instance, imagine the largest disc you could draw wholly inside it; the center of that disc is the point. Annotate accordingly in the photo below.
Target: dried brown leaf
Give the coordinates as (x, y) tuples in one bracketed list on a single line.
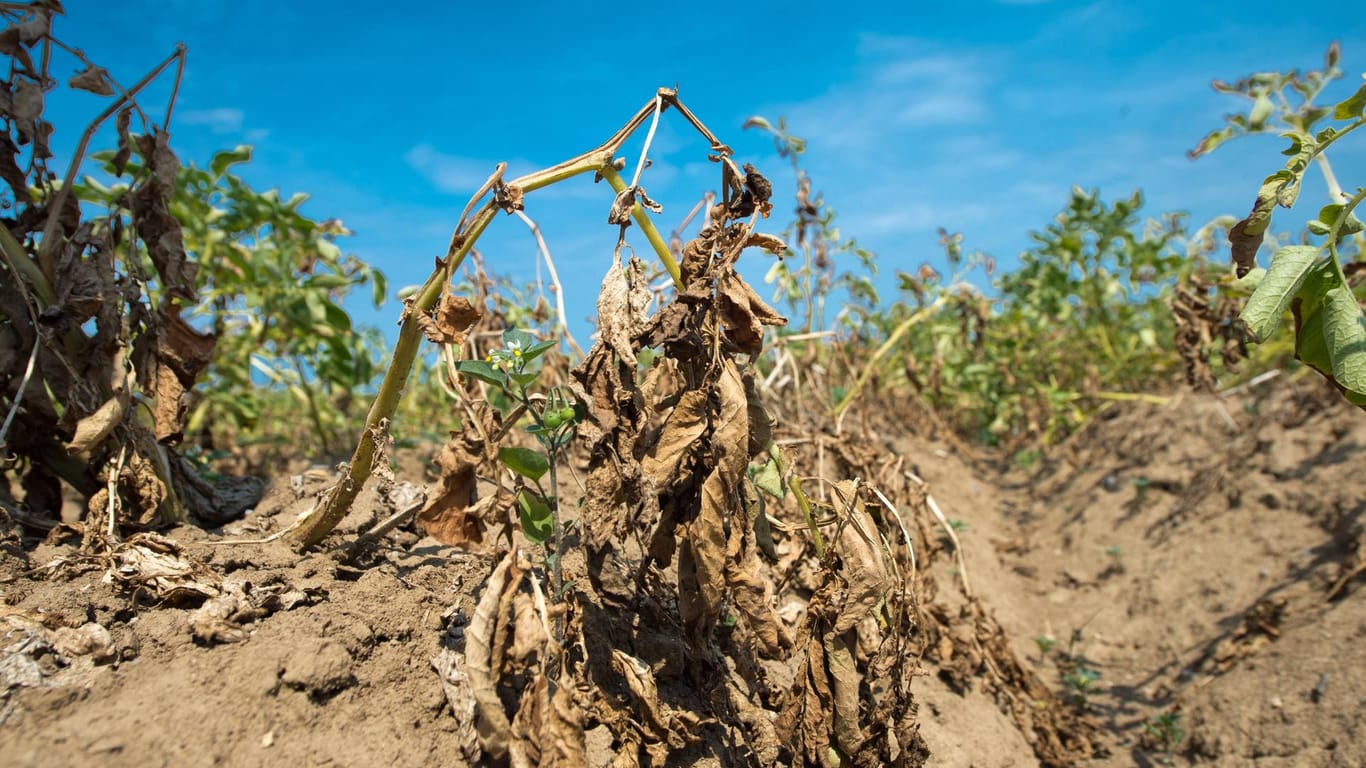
[(862, 566), (706, 534), (641, 680), (495, 731), (93, 79), (9, 170), (455, 682), (152, 562), (615, 319), (744, 313), (620, 212), (124, 150), (168, 360), (771, 243), (159, 230), (844, 683), (804, 722), (449, 517), (11, 46), (450, 321), (753, 594), (1246, 236), (93, 429), (686, 423)]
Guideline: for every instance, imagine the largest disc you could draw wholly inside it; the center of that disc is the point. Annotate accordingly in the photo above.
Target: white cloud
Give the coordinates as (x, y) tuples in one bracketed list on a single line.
[(219, 120), (449, 173)]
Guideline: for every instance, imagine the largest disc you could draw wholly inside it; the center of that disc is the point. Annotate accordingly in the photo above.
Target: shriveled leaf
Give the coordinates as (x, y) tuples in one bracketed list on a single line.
[(614, 312), (752, 592), (1246, 236), (744, 313), (450, 321), (863, 568), (495, 731), (93, 429), (155, 563), (844, 683), (449, 517), (1212, 141), (93, 79), (1283, 279), (160, 231), (168, 360), (685, 424), (720, 496), (528, 463), (641, 680)]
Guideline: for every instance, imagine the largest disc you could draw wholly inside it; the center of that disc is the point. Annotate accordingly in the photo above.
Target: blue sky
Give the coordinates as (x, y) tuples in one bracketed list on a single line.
[(976, 117)]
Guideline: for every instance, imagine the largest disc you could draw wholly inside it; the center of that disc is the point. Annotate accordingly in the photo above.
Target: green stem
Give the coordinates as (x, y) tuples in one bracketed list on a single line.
[(795, 483), (314, 411), (648, 227)]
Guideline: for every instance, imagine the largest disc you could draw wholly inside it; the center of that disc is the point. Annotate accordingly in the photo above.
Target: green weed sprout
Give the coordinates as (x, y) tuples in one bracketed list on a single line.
[(514, 370), (1165, 730), (1081, 682), (1046, 644)]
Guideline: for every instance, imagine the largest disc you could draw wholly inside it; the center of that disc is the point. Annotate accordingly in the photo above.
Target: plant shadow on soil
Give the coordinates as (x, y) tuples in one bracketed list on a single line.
[(1185, 552)]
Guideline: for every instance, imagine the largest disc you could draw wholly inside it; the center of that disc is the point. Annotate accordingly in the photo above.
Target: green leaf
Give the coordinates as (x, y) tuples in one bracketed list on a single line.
[(523, 379), (328, 250), (1353, 107), (224, 160), (482, 371), (538, 524), (526, 462), (1344, 330), (514, 337), (378, 287), (537, 349), (768, 480), (1261, 110), (1330, 332), (327, 281), (1272, 298)]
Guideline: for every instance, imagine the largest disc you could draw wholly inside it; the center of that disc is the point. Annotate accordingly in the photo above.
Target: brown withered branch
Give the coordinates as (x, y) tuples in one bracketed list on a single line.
[(507, 196), (82, 331)]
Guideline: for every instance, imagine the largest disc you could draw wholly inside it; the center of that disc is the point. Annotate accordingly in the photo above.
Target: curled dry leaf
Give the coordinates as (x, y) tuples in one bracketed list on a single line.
[(168, 358), (744, 313), (160, 231), (622, 307), (492, 723), (152, 562), (450, 667), (450, 517), (93, 79), (450, 321)]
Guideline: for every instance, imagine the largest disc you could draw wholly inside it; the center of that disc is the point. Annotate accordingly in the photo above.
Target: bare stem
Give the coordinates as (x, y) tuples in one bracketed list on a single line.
[(47, 249)]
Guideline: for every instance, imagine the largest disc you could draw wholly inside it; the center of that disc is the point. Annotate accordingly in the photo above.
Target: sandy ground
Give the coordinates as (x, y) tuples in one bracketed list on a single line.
[(1181, 574)]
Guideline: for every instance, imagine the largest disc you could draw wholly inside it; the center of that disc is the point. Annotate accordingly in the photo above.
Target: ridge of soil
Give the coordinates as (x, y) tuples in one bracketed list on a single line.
[(1184, 552)]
